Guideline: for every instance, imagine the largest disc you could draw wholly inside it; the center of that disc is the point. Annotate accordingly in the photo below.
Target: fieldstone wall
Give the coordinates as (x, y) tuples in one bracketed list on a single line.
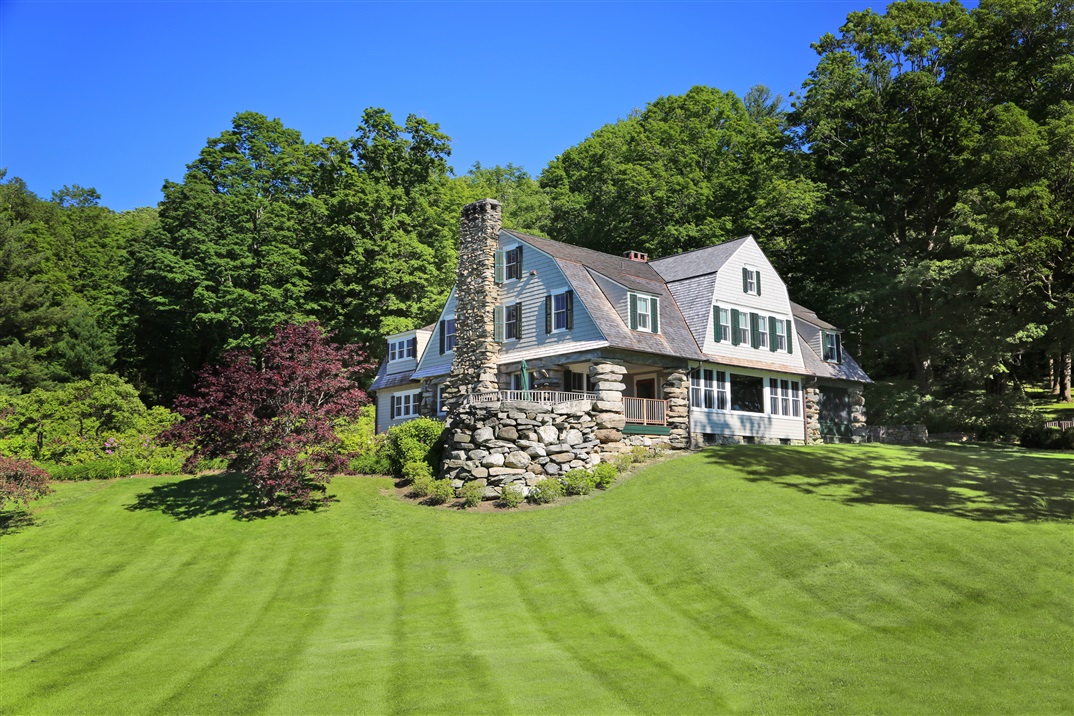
[(607, 409), (859, 430), (897, 434), (812, 416), (518, 442), (677, 393)]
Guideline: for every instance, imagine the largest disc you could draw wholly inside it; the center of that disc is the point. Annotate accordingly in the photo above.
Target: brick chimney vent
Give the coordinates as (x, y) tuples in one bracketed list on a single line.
[(636, 256)]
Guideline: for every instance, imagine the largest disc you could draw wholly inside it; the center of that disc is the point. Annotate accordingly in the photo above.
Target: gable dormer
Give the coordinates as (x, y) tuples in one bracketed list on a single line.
[(404, 350)]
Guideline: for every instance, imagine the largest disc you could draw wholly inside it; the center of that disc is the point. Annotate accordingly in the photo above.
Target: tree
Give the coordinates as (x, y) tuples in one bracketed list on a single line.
[(271, 415), (21, 482)]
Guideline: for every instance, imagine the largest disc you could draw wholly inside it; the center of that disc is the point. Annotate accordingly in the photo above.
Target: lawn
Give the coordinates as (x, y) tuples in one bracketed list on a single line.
[(756, 579)]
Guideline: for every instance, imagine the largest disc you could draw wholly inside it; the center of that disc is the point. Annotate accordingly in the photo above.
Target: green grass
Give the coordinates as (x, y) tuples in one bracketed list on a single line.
[(757, 580), (1044, 402)]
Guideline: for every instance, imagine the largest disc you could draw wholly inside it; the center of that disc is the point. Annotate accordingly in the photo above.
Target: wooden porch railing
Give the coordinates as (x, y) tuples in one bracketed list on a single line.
[(1061, 424), (546, 397), (646, 411)]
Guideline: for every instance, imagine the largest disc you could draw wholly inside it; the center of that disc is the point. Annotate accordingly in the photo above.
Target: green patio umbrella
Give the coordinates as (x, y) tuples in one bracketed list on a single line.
[(524, 382)]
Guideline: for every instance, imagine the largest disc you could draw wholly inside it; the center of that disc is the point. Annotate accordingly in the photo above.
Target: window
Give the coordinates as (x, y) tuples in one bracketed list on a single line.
[(785, 397), (751, 281), (405, 405), (507, 323), (516, 381), (762, 331), (833, 349), (644, 313), (779, 338), (708, 389), (743, 328), (402, 349), (448, 340), (747, 393), (559, 312), (441, 408), (576, 382), (513, 263), (721, 324)]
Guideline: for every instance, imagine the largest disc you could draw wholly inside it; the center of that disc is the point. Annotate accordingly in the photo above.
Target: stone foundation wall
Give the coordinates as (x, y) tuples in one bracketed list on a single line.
[(897, 434), (516, 442)]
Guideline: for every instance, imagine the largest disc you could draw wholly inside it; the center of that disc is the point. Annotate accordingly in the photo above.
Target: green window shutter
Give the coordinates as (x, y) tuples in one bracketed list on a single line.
[(757, 281), (443, 338), (391, 402), (838, 348), (654, 314), (754, 323), (716, 323), (772, 334), (547, 315), (745, 280), (734, 326), (497, 324), (518, 257), (413, 348), (633, 312), (570, 310), (790, 339), (518, 321), (499, 267)]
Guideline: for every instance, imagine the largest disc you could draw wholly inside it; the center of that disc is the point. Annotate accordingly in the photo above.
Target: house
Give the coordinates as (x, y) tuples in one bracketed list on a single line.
[(700, 348)]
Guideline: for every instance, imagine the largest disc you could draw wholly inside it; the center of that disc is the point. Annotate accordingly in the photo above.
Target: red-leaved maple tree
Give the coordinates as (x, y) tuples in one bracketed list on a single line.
[(271, 415)]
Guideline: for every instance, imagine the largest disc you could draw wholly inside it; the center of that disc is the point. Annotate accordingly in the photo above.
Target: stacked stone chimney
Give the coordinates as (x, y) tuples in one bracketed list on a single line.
[(476, 297)]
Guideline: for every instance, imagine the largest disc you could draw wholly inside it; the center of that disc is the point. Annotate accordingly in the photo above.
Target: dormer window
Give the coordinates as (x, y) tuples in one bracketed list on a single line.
[(508, 264), (833, 347), (402, 349), (751, 281), (447, 335), (644, 313)]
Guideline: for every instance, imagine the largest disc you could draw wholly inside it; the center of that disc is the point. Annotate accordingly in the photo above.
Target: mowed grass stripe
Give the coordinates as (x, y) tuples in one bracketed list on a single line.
[(849, 579)]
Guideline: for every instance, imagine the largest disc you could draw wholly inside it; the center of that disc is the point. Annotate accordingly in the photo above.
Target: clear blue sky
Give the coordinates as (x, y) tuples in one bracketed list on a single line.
[(122, 95)]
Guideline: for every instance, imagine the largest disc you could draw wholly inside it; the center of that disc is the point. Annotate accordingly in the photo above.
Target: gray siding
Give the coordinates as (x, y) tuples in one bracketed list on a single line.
[(727, 422), (617, 295), (409, 364), (384, 407), (432, 362), (530, 291)]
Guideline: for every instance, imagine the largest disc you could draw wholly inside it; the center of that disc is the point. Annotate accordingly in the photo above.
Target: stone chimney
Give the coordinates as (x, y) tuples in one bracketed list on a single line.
[(636, 256), (476, 297)]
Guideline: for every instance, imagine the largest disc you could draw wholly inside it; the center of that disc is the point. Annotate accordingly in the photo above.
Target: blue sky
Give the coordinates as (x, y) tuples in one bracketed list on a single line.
[(122, 95)]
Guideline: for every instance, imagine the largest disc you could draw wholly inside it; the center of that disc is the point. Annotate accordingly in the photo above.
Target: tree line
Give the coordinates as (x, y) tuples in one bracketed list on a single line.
[(918, 190)]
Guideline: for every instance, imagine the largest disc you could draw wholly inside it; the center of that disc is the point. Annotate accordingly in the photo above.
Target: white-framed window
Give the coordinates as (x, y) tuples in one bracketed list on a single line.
[(751, 281), (405, 405), (722, 329), (559, 312), (644, 313), (747, 393), (513, 263), (833, 349), (779, 339), (512, 321), (785, 397), (401, 349), (449, 335), (708, 389), (743, 328), (762, 331)]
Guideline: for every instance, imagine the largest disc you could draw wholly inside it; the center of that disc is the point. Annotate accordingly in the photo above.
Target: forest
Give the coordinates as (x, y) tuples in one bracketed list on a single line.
[(918, 190)]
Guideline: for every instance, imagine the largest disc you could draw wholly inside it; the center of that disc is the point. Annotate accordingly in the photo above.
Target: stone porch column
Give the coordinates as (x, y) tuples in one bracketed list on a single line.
[(608, 408), (812, 416), (677, 393), (858, 429)]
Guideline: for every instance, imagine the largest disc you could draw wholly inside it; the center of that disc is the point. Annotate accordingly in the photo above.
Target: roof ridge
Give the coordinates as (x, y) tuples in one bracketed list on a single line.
[(703, 248)]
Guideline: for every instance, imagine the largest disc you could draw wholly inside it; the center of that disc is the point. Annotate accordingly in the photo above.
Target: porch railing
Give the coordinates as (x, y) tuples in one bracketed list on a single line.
[(1061, 424), (546, 397), (646, 411)]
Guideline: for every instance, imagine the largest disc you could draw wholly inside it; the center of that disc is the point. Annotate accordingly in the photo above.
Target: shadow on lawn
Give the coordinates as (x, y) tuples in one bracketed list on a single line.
[(12, 521), (209, 495), (972, 482)]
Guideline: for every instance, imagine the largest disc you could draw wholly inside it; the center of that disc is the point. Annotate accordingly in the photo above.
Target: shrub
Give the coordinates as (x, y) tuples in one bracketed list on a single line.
[(416, 470), (623, 461), (471, 494), (364, 450), (97, 470), (412, 441), (547, 491), (371, 463), (578, 482), (21, 482), (1066, 440), (639, 453), (511, 496), (422, 485), (207, 465), (1041, 438), (604, 475), (900, 403), (440, 492)]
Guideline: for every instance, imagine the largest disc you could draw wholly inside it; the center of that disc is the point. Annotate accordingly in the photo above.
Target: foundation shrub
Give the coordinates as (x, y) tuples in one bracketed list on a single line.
[(417, 440), (471, 494), (421, 485), (578, 482), (547, 491), (416, 470), (511, 497), (623, 461), (604, 475), (440, 491), (639, 453)]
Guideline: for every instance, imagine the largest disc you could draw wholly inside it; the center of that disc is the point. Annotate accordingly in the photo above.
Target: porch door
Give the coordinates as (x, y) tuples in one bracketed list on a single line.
[(645, 388)]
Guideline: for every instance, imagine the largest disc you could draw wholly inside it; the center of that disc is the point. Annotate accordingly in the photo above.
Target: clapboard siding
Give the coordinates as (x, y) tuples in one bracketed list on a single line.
[(433, 362), (617, 294), (773, 301), (812, 335), (530, 290), (726, 422)]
